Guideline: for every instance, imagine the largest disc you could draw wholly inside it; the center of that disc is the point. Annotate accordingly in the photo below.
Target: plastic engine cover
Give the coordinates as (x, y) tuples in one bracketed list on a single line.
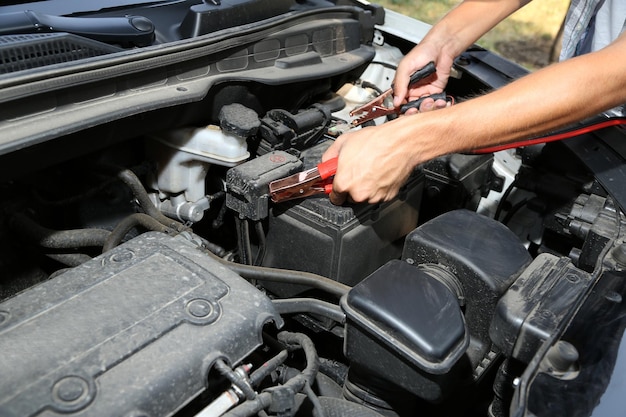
[(132, 332)]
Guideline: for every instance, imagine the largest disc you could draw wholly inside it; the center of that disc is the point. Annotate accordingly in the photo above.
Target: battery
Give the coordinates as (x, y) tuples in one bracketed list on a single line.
[(344, 243)]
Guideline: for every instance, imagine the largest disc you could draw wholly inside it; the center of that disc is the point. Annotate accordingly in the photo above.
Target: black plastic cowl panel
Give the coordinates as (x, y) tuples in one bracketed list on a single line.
[(205, 18), (132, 332)]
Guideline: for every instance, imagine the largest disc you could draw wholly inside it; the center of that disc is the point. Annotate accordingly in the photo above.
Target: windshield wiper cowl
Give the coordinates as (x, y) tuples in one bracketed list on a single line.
[(125, 31)]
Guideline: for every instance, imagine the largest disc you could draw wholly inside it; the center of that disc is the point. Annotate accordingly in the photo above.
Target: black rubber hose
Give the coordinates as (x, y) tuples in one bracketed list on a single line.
[(69, 259), (307, 279), (312, 360), (503, 199), (310, 305), (235, 379), (268, 367), (129, 178), (130, 222), (286, 276), (296, 384), (57, 239), (513, 210), (252, 407)]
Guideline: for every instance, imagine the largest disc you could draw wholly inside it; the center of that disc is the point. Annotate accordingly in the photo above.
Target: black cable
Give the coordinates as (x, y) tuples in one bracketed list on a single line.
[(367, 84), (513, 210), (385, 64), (243, 241), (260, 233), (504, 198), (302, 341)]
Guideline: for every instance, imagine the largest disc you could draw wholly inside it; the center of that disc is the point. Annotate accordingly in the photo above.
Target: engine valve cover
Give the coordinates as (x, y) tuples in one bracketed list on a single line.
[(132, 332)]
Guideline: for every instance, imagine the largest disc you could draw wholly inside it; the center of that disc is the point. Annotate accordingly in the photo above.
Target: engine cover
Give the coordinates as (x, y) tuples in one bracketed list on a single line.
[(132, 332)]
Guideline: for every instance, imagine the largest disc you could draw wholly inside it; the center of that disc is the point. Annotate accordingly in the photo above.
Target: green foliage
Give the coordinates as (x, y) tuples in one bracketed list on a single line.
[(527, 37)]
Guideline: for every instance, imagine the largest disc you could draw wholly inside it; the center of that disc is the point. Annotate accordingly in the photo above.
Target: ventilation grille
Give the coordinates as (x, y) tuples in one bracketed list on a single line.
[(22, 52)]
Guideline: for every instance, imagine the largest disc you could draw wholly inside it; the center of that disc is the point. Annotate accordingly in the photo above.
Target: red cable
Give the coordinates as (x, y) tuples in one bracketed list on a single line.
[(552, 138)]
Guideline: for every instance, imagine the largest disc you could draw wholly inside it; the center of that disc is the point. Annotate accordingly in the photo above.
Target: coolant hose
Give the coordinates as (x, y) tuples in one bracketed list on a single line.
[(286, 276), (69, 259), (310, 305), (129, 178), (307, 279), (58, 239), (130, 222)]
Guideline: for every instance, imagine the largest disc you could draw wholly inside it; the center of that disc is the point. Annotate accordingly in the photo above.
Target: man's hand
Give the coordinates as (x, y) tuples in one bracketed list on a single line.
[(436, 83), (371, 168)]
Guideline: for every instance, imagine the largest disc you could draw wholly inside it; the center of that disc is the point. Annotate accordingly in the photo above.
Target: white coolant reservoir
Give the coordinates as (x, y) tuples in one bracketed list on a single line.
[(209, 145), (183, 157)]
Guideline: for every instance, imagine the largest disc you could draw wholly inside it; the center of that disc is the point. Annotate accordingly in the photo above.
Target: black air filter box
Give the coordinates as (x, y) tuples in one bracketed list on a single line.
[(406, 327), (483, 254)]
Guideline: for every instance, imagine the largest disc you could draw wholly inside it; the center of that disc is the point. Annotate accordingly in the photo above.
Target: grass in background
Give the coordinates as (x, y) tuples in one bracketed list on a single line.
[(526, 37)]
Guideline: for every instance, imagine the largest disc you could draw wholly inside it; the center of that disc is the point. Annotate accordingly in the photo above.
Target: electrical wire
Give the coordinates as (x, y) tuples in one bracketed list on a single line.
[(513, 210), (503, 199), (296, 384), (615, 121), (260, 233)]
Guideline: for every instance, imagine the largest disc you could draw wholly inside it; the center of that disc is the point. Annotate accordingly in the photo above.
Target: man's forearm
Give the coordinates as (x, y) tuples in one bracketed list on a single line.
[(533, 105)]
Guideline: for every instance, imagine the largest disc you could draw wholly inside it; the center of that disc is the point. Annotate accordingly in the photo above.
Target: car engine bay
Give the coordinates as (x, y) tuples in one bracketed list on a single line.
[(146, 271)]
